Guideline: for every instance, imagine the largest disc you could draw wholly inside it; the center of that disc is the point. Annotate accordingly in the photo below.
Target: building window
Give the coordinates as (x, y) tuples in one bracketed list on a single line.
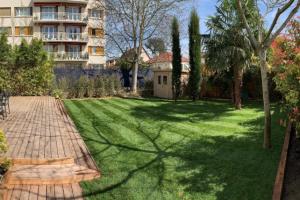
[(165, 80), (96, 32), (49, 13), (94, 13), (74, 51), (50, 48), (6, 30), (73, 13), (96, 51), (23, 30), (49, 32), (159, 80), (5, 12), (73, 33), (23, 12)]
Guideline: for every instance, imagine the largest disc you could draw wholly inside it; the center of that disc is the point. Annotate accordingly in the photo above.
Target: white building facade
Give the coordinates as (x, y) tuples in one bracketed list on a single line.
[(71, 30)]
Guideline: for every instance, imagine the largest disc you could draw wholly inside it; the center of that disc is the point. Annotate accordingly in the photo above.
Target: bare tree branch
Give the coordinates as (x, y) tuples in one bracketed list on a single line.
[(278, 14), (268, 41)]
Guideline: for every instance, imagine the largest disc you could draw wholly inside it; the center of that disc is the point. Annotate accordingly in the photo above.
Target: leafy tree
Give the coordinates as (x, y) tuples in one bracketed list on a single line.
[(176, 61), (285, 58), (228, 48), (156, 45), (33, 70), (261, 38), (30, 55), (5, 62), (22, 55), (195, 55), (5, 51)]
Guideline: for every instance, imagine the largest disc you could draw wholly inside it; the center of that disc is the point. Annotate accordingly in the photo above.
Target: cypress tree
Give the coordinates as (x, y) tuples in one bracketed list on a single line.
[(176, 61), (195, 56)]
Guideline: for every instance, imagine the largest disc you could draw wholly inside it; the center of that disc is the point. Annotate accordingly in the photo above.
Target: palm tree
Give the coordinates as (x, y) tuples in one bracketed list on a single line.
[(228, 48)]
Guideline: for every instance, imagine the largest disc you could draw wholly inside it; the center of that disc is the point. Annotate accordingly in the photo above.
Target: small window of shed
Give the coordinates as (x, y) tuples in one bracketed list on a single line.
[(165, 80), (159, 80)]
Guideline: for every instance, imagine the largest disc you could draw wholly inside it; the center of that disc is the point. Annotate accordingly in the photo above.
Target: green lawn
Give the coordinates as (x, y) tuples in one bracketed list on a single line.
[(152, 149)]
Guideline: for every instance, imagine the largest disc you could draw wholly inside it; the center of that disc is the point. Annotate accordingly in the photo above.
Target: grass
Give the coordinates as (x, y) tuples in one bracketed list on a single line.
[(152, 149)]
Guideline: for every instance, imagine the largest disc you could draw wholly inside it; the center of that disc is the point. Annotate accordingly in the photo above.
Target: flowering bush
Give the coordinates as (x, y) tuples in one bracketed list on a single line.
[(285, 59)]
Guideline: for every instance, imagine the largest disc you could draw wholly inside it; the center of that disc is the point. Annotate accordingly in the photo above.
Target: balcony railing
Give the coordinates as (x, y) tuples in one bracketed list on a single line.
[(60, 16), (63, 1), (69, 56), (66, 37)]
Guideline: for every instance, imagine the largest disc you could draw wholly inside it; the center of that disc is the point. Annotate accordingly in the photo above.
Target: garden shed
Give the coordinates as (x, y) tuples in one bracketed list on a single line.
[(162, 74)]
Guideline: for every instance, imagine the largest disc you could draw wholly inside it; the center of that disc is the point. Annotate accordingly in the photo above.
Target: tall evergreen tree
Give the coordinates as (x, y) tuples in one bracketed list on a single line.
[(195, 56), (176, 61)]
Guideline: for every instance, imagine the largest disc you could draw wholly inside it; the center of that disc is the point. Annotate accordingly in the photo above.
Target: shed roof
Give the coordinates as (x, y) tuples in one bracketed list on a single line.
[(165, 57)]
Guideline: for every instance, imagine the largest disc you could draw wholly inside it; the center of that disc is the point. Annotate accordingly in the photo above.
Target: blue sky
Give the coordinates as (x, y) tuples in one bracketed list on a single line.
[(206, 8)]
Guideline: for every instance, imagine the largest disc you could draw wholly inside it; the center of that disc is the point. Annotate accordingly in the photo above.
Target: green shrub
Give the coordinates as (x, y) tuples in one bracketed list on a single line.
[(81, 87), (97, 85), (117, 84), (58, 94), (111, 86), (90, 88), (27, 69), (4, 80), (5, 163), (100, 86)]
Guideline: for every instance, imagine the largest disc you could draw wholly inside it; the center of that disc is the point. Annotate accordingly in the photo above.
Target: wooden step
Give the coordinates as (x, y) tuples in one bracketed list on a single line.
[(48, 174)]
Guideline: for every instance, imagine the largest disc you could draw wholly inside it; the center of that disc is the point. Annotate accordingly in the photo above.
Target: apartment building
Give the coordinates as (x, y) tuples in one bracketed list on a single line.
[(72, 30)]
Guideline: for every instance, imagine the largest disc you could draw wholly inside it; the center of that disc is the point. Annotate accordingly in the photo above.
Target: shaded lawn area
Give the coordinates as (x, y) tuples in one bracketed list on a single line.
[(155, 149)]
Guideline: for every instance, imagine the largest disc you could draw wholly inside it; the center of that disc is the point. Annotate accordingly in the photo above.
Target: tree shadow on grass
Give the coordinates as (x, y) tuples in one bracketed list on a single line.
[(157, 162), (185, 110)]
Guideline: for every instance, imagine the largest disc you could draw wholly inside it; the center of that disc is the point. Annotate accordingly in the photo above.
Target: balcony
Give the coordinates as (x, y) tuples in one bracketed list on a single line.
[(60, 17), (62, 1), (70, 56), (64, 37)]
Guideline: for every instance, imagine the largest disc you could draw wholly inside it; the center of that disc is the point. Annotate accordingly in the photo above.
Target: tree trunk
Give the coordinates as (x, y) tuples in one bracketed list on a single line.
[(232, 92), (266, 98), (238, 79), (134, 77)]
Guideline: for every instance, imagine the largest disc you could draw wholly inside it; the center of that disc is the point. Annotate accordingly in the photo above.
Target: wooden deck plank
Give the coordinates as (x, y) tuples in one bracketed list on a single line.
[(38, 130), (20, 132), (68, 191), (59, 192), (25, 192), (42, 192), (34, 192), (77, 191), (50, 192), (17, 190)]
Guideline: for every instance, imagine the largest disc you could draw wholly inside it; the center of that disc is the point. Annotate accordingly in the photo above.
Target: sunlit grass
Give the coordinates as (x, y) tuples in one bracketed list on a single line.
[(152, 149)]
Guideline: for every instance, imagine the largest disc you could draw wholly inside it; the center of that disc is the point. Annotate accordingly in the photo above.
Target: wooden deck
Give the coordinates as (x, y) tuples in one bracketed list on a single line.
[(40, 132)]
